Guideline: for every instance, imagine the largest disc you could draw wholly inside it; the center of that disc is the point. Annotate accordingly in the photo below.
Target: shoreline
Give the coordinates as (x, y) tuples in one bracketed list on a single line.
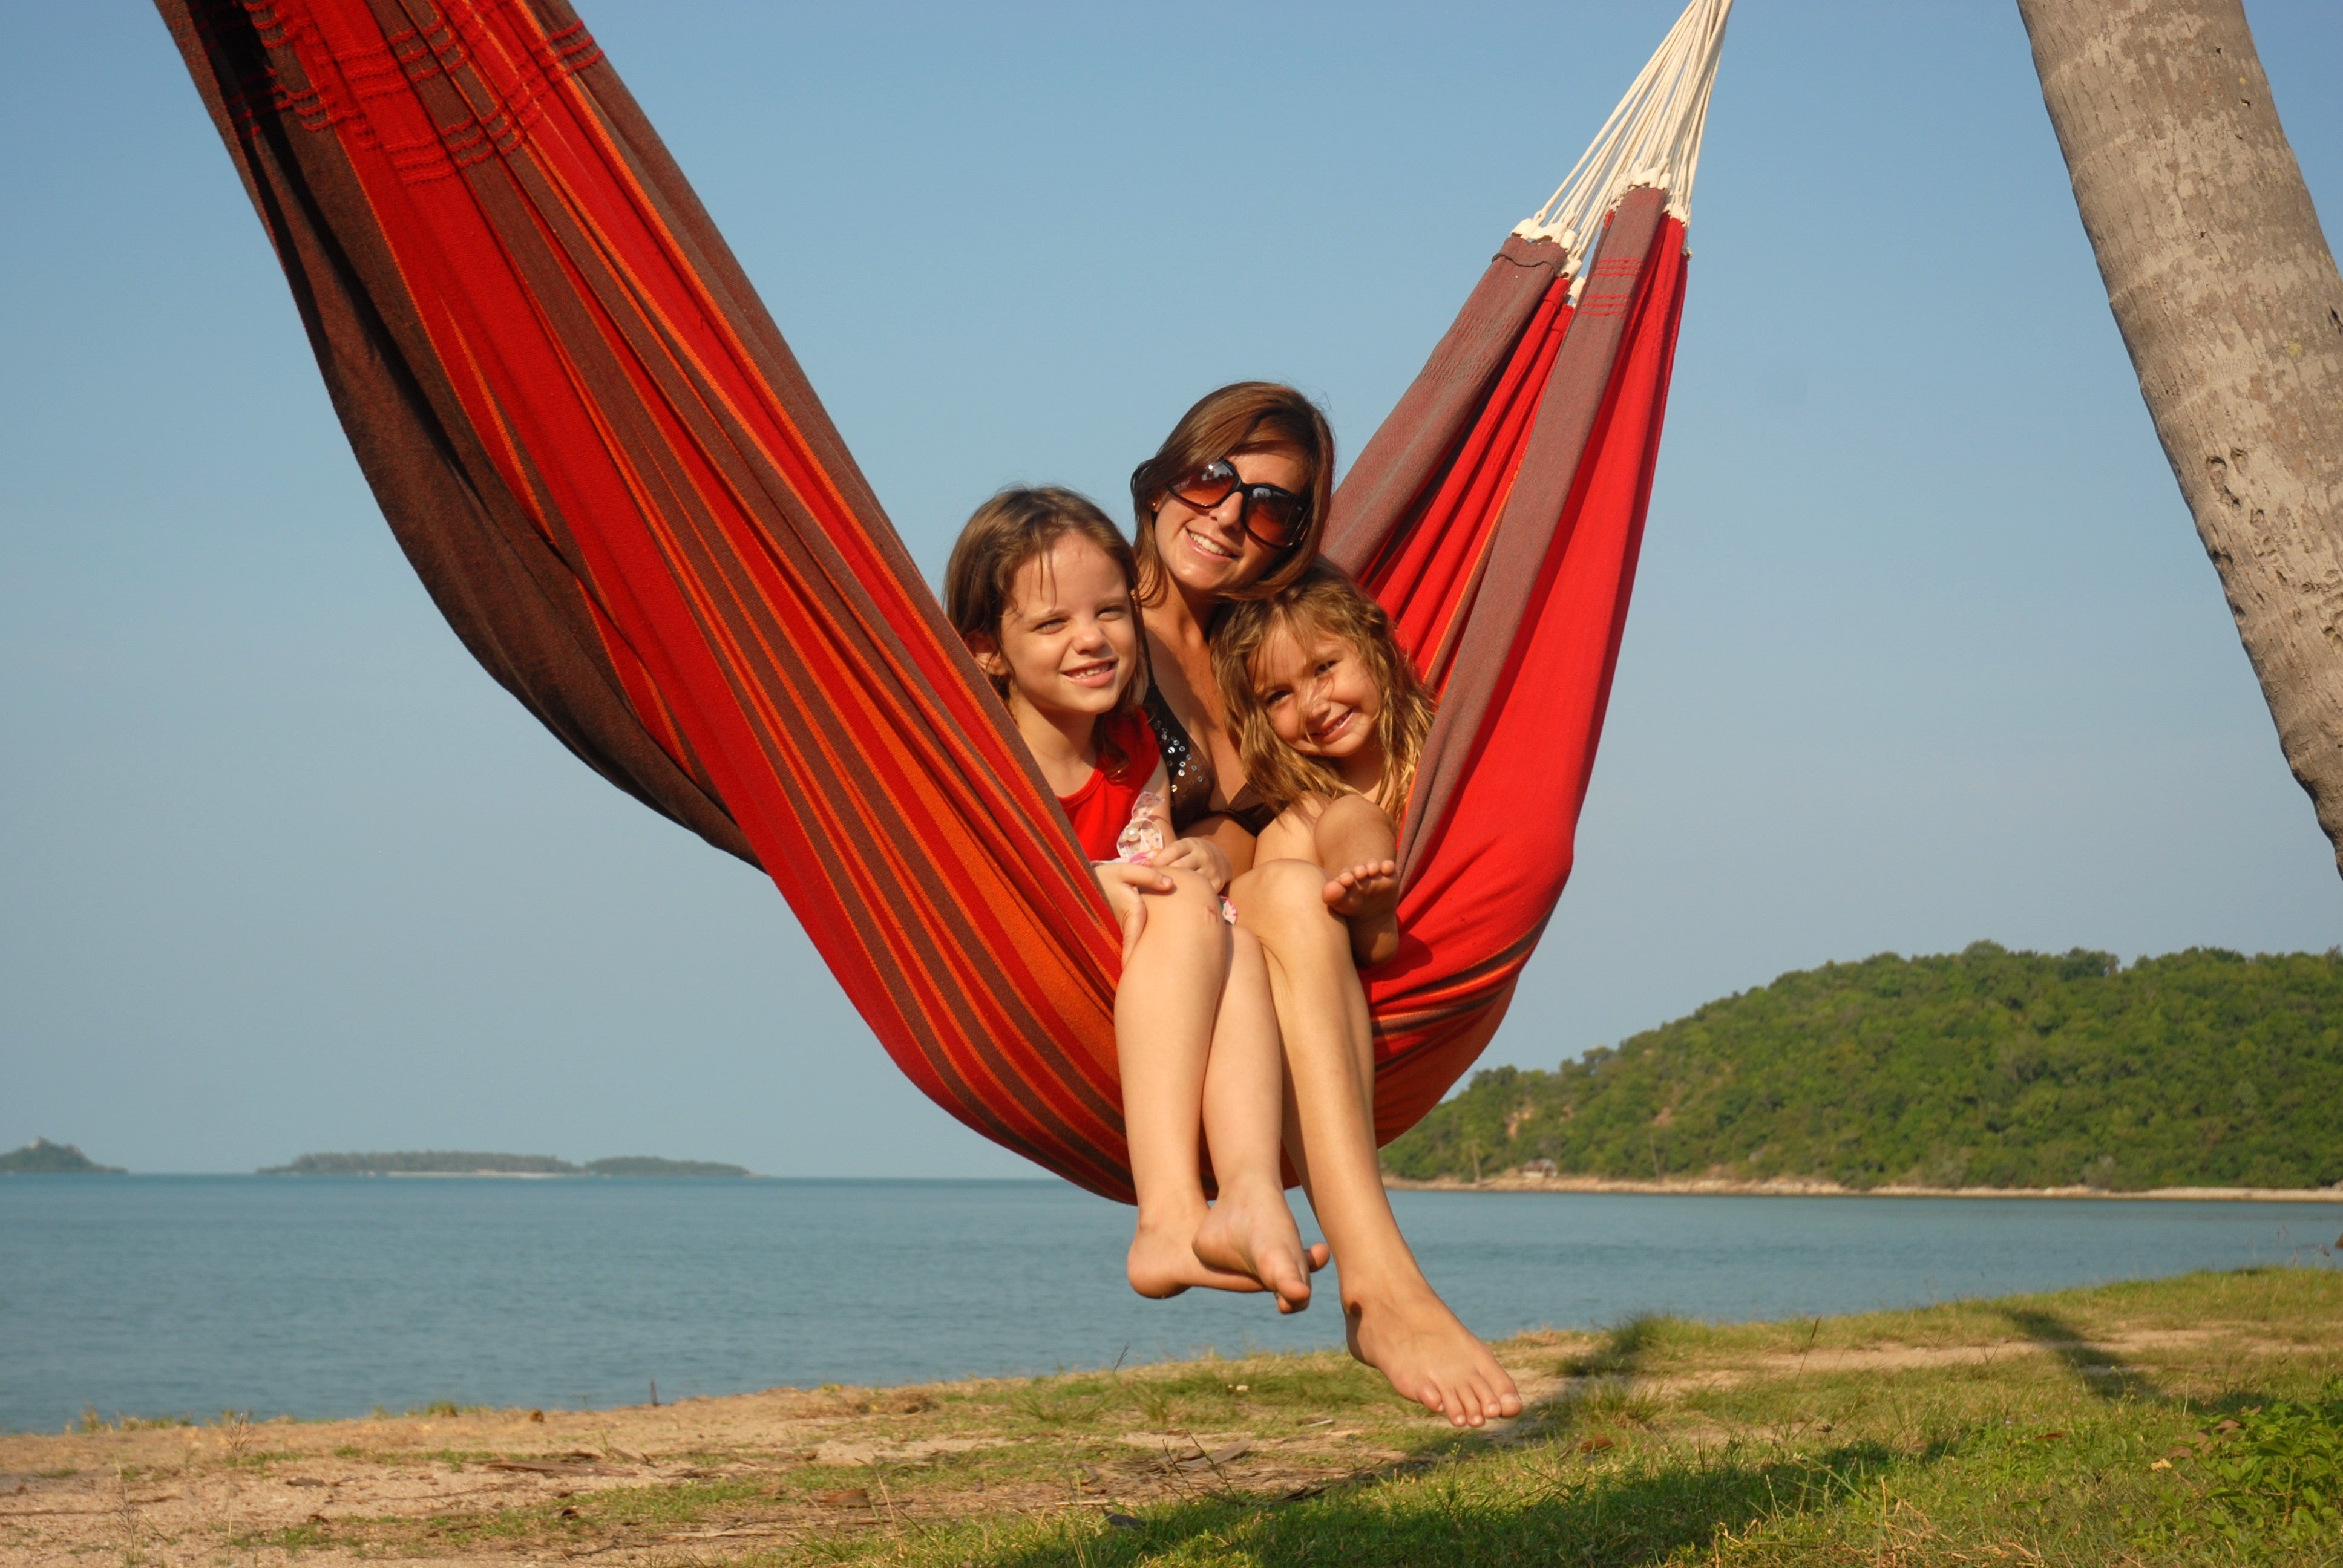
[(1721, 1187)]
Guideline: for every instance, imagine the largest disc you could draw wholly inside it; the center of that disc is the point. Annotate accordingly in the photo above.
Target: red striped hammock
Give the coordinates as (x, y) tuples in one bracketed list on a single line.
[(605, 464)]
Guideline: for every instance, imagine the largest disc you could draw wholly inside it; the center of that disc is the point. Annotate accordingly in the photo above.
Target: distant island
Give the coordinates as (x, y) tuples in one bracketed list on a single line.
[(648, 1165), (42, 1158), (1983, 1069), (450, 1162)]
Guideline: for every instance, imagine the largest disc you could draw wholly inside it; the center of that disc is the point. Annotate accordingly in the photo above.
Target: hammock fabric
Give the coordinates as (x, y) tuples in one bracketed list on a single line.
[(609, 472)]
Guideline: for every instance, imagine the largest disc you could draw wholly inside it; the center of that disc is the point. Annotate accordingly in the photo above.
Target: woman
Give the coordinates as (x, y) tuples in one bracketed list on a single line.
[(1234, 506)]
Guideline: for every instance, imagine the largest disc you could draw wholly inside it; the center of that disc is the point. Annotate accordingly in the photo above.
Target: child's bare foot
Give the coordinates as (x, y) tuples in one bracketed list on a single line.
[(1360, 889), (1162, 1261), (1412, 1338), (1253, 1233)]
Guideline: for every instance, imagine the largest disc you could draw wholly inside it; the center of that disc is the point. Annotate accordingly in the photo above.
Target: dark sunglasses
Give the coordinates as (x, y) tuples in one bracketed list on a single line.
[(1269, 514)]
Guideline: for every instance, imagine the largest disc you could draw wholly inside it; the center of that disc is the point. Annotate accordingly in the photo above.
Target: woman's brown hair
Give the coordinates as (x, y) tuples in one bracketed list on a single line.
[(1246, 417), (1017, 526), (1323, 600)]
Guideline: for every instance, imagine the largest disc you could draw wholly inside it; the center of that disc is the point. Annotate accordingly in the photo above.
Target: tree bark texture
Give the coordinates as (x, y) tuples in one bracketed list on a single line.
[(2227, 299)]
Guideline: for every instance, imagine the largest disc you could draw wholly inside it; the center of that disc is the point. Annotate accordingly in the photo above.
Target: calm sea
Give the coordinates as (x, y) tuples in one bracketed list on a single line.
[(325, 1296)]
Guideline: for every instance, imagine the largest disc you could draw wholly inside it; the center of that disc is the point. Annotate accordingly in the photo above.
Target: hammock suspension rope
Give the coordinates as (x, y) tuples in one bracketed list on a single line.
[(1652, 138)]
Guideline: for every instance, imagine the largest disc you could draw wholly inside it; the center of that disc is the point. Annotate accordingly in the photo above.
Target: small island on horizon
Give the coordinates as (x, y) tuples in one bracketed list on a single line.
[(42, 1158), (456, 1162)]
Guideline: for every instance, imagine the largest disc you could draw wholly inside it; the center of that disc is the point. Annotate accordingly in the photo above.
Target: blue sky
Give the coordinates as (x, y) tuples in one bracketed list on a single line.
[(1923, 647)]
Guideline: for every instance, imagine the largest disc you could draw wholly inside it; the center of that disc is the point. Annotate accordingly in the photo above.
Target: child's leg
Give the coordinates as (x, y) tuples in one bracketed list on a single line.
[(1395, 1322), (1251, 1229), (1164, 1014)]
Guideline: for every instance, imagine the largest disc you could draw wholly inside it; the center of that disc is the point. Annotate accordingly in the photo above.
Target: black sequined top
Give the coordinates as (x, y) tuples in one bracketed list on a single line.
[(1190, 773)]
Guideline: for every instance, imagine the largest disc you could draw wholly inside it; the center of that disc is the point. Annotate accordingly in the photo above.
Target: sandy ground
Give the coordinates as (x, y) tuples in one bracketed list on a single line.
[(819, 1464)]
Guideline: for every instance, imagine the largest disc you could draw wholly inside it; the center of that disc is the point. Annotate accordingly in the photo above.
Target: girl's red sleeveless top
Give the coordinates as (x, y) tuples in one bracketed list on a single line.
[(1100, 808)]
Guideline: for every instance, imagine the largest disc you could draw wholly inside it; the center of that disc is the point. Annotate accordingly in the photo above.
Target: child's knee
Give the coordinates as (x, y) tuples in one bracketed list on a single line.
[(1191, 911), (1279, 888)]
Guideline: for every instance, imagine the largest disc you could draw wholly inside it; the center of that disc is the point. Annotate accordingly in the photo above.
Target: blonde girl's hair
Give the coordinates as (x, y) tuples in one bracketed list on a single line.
[(1322, 600), (1244, 416), (1024, 524)]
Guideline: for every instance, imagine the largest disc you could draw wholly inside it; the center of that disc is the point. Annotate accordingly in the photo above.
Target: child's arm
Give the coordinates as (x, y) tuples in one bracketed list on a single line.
[(1356, 844), (1200, 856), (1124, 882)]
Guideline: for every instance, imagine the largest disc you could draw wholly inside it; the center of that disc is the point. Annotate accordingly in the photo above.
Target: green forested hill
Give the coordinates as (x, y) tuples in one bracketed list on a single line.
[(1987, 1068)]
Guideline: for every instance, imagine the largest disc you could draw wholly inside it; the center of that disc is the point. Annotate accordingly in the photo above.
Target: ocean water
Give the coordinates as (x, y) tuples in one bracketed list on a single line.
[(329, 1296)]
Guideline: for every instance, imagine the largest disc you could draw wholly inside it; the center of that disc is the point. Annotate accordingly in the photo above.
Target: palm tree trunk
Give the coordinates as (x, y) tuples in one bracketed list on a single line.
[(2229, 300)]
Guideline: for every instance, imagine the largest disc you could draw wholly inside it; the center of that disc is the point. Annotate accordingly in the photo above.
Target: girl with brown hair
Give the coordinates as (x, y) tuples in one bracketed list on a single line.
[(1232, 509), (1040, 586)]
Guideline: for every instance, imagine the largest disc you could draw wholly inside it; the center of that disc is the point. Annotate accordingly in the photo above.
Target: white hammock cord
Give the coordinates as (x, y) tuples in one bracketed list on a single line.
[(1651, 138)]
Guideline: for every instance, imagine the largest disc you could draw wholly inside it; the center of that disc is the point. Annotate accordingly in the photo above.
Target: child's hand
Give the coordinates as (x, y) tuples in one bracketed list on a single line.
[(1201, 856), (1368, 889), (1124, 882)]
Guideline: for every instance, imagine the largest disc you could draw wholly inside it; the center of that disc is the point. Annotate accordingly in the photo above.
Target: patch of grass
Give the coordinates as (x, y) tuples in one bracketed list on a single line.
[(90, 1421), (1634, 1346), (1255, 1394), (260, 1459), (1055, 1405), (675, 1504), (450, 1458), (294, 1539), (2031, 1434), (2274, 1472)]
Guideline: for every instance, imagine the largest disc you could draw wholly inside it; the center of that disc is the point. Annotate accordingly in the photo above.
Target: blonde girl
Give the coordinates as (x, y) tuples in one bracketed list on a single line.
[(1231, 508), (1039, 589), (1331, 718)]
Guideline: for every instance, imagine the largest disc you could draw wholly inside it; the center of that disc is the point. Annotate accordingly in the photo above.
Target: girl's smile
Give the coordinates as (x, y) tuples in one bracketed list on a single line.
[(1069, 641), (1069, 644), (1333, 728)]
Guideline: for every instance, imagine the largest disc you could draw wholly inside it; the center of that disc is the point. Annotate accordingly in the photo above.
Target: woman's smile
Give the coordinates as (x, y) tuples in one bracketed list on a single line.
[(1212, 551)]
